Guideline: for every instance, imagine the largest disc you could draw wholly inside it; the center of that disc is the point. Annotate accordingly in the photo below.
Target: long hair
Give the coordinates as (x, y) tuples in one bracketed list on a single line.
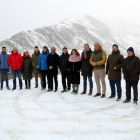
[(77, 53)]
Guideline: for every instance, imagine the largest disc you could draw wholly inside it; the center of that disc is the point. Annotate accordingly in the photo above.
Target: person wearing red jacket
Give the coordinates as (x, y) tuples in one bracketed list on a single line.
[(15, 60)]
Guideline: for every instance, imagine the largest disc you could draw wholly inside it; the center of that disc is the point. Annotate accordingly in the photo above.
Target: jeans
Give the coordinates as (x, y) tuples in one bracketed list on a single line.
[(18, 72), (4, 72), (118, 85), (85, 83)]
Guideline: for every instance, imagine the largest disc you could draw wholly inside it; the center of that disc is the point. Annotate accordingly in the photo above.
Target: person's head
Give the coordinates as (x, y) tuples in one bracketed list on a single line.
[(65, 50), (53, 49), (114, 48), (130, 51), (15, 50), (74, 51), (45, 49), (86, 47), (3, 49), (97, 46), (26, 53), (36, 49)]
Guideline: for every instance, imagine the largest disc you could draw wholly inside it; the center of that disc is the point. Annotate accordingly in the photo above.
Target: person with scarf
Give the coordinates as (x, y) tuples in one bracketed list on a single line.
[(113, 70), (86, 69), (27, 69), (74, 67), (98, 60), (131, 69)]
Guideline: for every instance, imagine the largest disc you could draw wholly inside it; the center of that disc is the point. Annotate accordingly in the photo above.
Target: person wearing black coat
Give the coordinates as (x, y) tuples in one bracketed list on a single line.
[(74, 70), (131, 69), (27, 69), (63, 65), (53, 62), (86, 69)]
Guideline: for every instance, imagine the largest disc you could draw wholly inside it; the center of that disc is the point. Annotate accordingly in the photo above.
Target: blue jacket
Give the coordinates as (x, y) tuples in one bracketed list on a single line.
[(4, 61), (42, 61)]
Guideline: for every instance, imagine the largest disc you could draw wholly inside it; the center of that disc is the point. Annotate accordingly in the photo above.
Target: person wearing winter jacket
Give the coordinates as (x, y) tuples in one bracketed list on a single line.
[(15, 60), (113, 70), (53, 62), (63, 65), (98, 60), (74, 70), (131, 69), (27, 69), (36, 71), (43, 66), (4, 67), (86, 69)]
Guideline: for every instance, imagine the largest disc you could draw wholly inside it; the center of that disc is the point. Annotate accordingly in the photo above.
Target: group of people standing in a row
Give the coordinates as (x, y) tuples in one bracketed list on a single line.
[(46, 64)]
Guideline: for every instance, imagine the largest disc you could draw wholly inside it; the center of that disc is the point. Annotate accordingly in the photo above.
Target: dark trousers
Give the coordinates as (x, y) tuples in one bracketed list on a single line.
[(18, 72), (55, 80), (118, 85), (28, 83), (134, 85), (65, 76), (44, 74), (4, 73)]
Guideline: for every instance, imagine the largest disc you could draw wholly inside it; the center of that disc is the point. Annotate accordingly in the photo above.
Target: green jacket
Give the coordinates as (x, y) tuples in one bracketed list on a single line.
[(27, 68), (34, 59)]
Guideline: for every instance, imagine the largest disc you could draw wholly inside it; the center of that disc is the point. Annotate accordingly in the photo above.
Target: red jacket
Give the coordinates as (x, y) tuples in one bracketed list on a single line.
[(15, 61)]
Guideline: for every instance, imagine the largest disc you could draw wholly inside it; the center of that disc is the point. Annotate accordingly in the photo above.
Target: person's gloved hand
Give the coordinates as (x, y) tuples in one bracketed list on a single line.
[(68, 71), (128, 76), (78, 71)]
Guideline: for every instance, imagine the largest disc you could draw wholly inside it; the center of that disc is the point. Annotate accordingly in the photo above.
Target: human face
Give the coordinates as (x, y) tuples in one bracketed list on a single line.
[(44, 50), (52, 50), (114, 49), (64, 51), (130, 53), (96, 46), (3, 50), (15, 51), (36, 49), (86, 47), (73, 52), (26, 53)]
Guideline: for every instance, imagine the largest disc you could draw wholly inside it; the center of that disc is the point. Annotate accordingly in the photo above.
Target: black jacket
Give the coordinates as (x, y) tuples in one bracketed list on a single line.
[(86, 68), (74, 71), (53, 60), (63, 64)]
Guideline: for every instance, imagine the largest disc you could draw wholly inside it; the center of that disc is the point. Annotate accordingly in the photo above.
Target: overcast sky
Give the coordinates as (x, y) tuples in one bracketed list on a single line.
[(23, 15)]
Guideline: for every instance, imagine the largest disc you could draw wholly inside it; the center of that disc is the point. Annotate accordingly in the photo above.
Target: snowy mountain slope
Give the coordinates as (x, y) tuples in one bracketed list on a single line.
[(38, 115), (71, 33)]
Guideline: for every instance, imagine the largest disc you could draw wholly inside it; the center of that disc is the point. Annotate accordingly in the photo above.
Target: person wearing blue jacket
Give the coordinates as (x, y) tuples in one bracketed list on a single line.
[(4, 67), (42, 65)]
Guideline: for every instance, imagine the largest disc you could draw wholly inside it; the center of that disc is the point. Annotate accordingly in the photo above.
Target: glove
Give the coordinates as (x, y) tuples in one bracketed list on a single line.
[(128, 76), (68, 71), (78, 71)]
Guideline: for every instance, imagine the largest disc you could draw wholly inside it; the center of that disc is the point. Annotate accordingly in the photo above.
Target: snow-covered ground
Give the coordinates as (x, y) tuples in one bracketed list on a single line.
[(39, 115)]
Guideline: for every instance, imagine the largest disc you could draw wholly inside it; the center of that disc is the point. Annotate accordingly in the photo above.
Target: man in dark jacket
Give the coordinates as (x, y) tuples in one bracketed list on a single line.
[(53, 61), (34, 59), (42, 65), (63, 65), (113, 70), (86, 69), (131, 69), (4, 67)]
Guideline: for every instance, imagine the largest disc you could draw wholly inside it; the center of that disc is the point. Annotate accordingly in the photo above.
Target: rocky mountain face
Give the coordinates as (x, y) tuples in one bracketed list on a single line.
[(73, 33)]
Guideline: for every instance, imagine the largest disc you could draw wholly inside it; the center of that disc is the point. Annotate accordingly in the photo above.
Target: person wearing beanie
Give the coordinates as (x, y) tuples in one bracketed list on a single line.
[(63, 66), (131, 68), (113, 70), (43, 66)]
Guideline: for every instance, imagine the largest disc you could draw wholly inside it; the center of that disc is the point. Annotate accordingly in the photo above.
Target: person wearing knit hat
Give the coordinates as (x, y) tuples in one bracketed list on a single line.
[(130, 49), (131, 68), (45, 47), (64, 48)]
